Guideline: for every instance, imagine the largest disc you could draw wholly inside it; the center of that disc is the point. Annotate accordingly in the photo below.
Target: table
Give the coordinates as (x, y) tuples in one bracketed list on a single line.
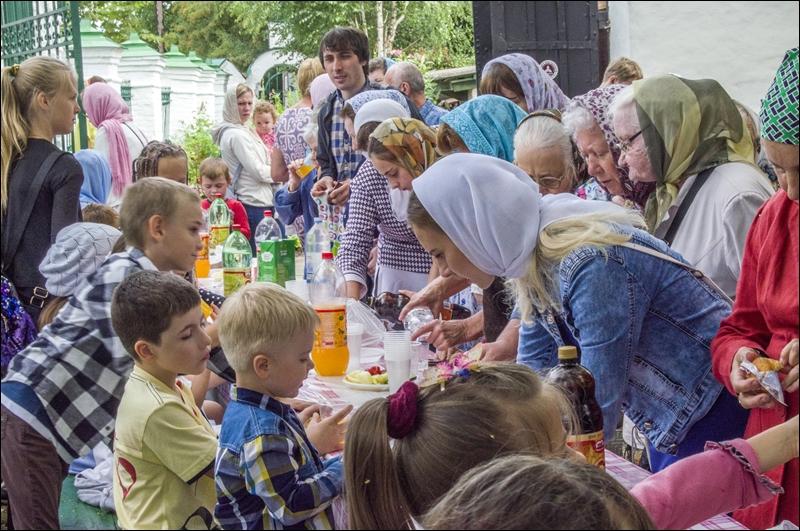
[(332, 388)]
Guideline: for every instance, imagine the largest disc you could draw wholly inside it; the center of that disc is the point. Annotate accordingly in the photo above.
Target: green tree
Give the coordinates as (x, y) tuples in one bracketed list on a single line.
[(119, 19)]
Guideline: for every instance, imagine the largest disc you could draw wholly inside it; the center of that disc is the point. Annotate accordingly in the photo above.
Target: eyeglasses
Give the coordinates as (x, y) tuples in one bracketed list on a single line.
[(551, 183), (624, 146)]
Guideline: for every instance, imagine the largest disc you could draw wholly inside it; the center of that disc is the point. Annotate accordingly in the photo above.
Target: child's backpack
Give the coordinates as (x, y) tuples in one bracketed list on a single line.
[(18, 328)]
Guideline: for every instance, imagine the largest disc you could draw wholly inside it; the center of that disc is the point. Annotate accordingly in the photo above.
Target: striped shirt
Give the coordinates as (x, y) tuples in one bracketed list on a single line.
[(268, 475), (371, 209)]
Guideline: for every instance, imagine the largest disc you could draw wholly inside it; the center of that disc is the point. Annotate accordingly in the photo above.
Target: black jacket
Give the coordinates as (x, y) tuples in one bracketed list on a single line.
[(325, 159)]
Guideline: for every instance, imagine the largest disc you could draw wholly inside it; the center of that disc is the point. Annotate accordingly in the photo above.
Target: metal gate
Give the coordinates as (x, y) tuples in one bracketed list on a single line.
[(45, 28), (565, 34)]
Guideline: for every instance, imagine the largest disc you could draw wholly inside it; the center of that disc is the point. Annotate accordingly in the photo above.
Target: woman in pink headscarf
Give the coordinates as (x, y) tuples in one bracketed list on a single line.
[(118, 138)]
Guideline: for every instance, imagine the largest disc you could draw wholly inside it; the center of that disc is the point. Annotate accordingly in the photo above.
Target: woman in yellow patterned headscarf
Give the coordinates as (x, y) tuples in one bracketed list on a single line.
[(688, 126), (401, 149)]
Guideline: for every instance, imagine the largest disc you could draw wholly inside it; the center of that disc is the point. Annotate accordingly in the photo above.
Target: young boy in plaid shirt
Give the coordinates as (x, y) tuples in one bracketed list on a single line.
[(61, 394), (268, 474)]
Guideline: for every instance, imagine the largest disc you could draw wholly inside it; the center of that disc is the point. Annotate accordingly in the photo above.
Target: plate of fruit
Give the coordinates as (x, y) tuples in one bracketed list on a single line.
[(372, 379)]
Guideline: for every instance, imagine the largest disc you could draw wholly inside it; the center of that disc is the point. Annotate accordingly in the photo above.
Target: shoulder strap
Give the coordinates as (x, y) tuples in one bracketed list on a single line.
[(138, 135), (698, 183), (12, 235), (696, 272)]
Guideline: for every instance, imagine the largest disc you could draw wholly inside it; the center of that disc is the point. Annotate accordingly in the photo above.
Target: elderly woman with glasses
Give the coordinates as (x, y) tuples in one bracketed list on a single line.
[(688, 137), (544, 150)]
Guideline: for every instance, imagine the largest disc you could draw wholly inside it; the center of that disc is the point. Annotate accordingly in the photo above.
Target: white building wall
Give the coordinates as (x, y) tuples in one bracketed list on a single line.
[(103, 62), (145, 75), (740, 44)]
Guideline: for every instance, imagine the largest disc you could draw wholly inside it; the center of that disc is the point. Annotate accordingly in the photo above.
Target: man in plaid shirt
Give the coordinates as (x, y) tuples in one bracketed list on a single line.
[(344, 52), (60, 396)]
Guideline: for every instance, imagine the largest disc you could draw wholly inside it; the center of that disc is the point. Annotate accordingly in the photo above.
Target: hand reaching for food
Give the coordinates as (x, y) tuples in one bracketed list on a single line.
[(327, 435), (789, 358)]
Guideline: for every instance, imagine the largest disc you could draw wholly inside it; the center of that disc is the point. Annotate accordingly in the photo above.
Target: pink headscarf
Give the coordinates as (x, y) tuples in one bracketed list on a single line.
[(320, 88), (105, 108), (541, 92)]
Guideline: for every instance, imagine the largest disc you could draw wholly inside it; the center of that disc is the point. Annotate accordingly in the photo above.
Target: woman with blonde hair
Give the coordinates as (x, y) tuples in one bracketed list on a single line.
[(40, 101), (585, 274), (245, 154)]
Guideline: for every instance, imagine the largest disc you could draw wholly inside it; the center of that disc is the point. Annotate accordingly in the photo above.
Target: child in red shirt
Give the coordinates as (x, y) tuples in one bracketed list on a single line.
[(215, 179)]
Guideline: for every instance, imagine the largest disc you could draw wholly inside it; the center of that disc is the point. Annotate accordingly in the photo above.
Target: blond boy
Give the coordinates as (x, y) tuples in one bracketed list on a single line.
[(164, 447), (268, 474)]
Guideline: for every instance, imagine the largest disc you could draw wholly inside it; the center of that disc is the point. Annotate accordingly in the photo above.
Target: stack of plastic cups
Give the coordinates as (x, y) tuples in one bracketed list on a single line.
[(298, 287), (397, 353), (355, 331)]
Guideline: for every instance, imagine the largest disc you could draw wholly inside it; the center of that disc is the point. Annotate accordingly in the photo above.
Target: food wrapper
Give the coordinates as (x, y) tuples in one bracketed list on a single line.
[(332, 217), (768, 379)]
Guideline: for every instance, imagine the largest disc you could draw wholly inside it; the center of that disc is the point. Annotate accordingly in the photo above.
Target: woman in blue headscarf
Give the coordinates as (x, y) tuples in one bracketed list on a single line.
[(483, 125), (96, 177)]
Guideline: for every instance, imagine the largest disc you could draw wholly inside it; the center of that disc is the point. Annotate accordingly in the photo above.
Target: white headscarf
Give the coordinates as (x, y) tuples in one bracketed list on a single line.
[(378, 110), (493, 211), (231, 119)]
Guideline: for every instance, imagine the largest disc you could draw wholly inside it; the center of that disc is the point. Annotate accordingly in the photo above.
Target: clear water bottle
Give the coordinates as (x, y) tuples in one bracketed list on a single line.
[(267, 229), (328, 294), (219, 221), (237, 259), (317, 242)]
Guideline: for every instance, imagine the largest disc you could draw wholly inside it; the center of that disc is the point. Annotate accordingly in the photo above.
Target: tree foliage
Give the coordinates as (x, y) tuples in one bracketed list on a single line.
[(240, 31)]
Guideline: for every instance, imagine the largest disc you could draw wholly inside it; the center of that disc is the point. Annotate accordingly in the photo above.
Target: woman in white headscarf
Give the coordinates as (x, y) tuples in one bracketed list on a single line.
[(245, 154), (578, 281)]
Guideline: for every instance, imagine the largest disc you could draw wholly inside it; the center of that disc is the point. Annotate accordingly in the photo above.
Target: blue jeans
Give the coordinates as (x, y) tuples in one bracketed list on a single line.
[(254, 216), (725, 420)]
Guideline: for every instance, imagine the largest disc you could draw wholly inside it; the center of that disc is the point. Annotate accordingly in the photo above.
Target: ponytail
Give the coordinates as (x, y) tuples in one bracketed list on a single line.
[(374, 497), (20, 86)]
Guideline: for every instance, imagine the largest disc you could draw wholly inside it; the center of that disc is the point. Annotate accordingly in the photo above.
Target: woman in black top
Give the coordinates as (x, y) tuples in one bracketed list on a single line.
[(40, 101)]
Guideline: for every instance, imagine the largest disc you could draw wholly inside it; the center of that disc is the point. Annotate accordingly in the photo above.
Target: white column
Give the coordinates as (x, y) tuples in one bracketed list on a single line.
[(220, 88), (142, 65), (183, 80)]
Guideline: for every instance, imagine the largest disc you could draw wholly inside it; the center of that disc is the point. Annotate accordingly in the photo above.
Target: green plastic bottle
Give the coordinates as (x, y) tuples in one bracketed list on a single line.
[(237, 260)]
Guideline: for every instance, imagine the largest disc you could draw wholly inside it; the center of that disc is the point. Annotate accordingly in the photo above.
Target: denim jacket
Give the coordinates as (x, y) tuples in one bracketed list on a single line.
[(644, 327)]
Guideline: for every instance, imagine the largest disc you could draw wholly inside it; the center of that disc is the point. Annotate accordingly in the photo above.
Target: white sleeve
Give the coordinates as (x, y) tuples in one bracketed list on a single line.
[(249, 159), (101, 143)]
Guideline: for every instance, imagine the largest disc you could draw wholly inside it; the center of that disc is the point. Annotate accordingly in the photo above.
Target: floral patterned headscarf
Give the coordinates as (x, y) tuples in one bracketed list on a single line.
[(541, 92), (412, 142), (597, 102)]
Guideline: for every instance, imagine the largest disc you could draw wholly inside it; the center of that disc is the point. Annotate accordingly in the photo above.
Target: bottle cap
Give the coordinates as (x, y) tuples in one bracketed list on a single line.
[(567, 353), (219, 196), (236, 226), (267, 214), (327, 256)]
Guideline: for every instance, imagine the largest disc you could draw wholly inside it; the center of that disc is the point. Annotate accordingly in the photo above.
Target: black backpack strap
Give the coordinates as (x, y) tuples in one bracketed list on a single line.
[(12, 232), (698, 183)]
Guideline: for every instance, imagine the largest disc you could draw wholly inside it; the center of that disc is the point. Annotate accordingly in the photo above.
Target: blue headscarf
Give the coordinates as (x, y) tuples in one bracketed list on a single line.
[(358, 101), (96, 177), (487, 125), (389, 62)]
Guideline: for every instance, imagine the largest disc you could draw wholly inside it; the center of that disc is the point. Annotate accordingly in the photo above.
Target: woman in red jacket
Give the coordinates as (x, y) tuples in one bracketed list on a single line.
[(765, 318)]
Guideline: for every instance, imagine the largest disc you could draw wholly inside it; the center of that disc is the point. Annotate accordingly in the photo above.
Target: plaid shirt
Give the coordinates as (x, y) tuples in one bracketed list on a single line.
[(431, 114), (268, 474), (72, 377), (347, 160)]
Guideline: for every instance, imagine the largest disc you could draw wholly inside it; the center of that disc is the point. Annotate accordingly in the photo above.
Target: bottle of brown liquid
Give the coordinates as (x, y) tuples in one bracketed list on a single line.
[(578, 383)]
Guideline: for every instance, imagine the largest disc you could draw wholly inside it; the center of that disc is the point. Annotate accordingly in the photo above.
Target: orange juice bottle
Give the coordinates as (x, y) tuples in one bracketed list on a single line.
[(307, 166), (202, 266), (328, 294)]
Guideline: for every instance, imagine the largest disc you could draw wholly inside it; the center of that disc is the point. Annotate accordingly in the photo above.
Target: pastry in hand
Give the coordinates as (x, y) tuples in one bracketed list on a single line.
[(766, 365)]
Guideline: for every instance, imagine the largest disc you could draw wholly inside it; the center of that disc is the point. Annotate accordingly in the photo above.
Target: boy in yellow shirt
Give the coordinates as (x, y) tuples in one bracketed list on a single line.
[(164, 448)]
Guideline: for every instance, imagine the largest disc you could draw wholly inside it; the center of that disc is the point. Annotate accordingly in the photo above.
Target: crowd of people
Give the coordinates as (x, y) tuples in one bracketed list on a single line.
[(651, 222)]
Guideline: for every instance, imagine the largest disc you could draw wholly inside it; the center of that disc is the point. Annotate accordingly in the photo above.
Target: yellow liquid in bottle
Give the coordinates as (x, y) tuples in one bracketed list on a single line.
[(330, 353)]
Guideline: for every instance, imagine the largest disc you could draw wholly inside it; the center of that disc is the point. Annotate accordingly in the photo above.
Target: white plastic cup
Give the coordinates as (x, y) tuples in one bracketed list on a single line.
[(397, 353), (298, 287), (419, 357), (355, 334)]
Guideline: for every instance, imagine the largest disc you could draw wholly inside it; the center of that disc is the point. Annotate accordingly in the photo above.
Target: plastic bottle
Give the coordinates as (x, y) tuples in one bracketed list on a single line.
[(328, 294), (267, 229), (219, 219), (578, 383), (317, 242), (236, 261)]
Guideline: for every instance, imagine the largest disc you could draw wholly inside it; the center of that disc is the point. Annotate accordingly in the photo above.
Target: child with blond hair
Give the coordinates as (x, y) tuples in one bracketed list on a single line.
[(264, 118), (164, 447), (268, 473), (61, 394)]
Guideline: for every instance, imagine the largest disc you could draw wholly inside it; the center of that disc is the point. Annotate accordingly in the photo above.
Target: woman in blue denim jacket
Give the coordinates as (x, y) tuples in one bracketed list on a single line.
[(644, 325)]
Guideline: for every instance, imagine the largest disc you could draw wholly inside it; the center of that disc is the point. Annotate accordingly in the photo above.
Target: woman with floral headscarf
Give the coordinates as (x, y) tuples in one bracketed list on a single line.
[(592, 129), (688, 137), (765, 319), (517, 77)]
